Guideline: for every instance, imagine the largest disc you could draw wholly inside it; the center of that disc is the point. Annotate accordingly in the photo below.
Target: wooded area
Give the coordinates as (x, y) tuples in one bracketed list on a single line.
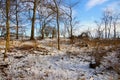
[(38, 26)]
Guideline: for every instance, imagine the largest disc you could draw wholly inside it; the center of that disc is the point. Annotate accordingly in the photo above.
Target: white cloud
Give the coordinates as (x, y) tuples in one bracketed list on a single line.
[(92, 3), (84, 27), (92, 27), (113, 6)]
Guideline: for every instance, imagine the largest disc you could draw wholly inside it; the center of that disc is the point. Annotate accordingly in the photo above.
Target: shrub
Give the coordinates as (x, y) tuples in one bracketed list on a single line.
[(97, 55), (112, 61), (29, 45)]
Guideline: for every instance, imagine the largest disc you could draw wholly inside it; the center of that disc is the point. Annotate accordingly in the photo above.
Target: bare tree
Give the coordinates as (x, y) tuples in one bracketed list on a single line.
[(17, 22), (99, 30), (110, 20), (105, 21), (7, 27), (110, 25), (70, 6), (15, 9), (66, 27), (32, 9), (33, 20), (57, 20), (54, 32), (45, 17), (116, 17), (2, 17)]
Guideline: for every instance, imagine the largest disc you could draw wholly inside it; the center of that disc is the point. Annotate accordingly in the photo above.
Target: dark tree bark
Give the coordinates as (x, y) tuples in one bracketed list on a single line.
[(17, 22), (57, 20), (33, 20), (71, 27), (7, 27), (114, 24)]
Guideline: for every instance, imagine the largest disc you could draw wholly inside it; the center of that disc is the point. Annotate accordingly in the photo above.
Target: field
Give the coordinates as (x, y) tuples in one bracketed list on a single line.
[(41, 60)]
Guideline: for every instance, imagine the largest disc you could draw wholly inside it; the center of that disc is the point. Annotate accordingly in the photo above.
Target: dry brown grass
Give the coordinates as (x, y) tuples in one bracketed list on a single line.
[(28, 45), (13, 42), (99, 52), (101, 43), (2, 42), (53, 43), (20, 44)]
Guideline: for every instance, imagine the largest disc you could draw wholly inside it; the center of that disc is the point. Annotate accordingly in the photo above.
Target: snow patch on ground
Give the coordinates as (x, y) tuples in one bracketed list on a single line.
[(71, 63)]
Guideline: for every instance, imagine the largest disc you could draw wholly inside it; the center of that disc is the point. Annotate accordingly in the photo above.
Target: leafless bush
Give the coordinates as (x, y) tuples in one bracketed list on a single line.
[(97, 55), (112, 61), (72, 53), (27, 45)]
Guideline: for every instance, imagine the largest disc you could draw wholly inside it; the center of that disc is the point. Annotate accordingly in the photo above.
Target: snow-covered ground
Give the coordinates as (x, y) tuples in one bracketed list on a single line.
[(70, 63)]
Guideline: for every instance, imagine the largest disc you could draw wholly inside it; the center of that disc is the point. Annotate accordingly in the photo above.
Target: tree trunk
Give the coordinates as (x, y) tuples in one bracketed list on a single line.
[(7, 27), (17, 22), (105, 30), (33, 20), (57, 20), (114, 24), (109, 30), (43, 30), (42, 33), (71, 27), (110, 25), (58, 29)]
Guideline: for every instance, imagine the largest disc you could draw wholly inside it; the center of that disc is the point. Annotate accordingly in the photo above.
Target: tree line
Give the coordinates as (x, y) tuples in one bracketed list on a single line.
[(108, 25), (19, 13), (49, 15)]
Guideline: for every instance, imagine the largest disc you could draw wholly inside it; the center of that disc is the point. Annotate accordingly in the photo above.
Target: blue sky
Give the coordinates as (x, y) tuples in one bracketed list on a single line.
[(87, 11)]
